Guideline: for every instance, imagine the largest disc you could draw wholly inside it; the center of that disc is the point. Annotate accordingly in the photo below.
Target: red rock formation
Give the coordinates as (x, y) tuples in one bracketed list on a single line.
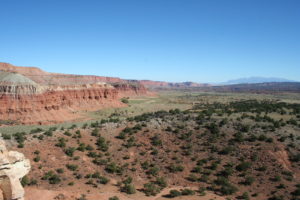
[(47, 78), (57, 105), (30, 95), (131, 89)]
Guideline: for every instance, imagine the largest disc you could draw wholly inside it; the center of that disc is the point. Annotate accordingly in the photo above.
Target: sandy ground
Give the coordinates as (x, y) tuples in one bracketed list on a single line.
[(39, 194)]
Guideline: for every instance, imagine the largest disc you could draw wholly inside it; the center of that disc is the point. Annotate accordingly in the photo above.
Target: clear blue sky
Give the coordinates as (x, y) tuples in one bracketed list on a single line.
[(171, 40)]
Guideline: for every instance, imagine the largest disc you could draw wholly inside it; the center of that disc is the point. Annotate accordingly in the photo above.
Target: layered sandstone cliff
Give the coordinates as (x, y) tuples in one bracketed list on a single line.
[(52, 98), (46, 78), (13, 166)]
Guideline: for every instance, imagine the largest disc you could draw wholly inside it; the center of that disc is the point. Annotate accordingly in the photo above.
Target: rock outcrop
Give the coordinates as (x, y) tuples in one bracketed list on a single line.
[(13, 166), (57, 104), (32, 96), (47, 78)]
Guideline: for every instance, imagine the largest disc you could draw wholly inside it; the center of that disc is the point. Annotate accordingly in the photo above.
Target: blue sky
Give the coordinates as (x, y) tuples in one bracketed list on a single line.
[(169, 40)]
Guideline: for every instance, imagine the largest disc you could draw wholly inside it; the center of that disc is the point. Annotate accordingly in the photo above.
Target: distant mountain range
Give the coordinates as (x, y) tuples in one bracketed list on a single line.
[(252, 80)]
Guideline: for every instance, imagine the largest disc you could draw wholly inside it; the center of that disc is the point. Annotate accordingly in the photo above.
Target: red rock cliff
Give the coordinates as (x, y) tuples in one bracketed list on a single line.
[(30, 95), (57, 105)]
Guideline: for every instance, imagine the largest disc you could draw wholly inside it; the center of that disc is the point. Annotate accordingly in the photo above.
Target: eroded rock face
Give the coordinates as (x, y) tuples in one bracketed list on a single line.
[(13, 166), (31, 96), (57, 104)]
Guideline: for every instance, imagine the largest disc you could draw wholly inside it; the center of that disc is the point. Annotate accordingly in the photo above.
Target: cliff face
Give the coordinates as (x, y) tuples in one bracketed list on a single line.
[(131, 89), (46, 78), (57, 104), (30, 95)]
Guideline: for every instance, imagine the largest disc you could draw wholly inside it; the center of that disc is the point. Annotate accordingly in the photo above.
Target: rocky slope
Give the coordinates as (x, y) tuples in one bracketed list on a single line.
[(30, 95)]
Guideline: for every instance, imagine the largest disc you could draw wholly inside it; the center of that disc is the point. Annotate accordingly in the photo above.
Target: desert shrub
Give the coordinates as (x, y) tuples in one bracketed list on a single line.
[(174, 193), (122, 135), (114, 198), (154, 152), (72, 167), (228, 171), (40, 137), (99, 161), (295, 157), (262, 138), (48, 133), (202, 191), (252, 138), (102, 144), (70, 151), (60, 170), (213, 128), (67, 133), (202, 162), (275, 179), (145, 165), (297, 191), (61, 143), (95, 132), (248, 180), (6, 136), (204, 178), (92, 154), (228, 189), (161, 182), (128, 189), (156, 141), (221, 181), (83, 197), (262, 168), (89, 148), (103, 180), (239, 137), (197, 169), (51, 177), (192, 178), (269, 140), (128, 180), (245, 128), (276, 198), (113, 168), (125, 100), (25, 181), (81, 147), (20, 137), (37, 158), (245, 196), (150, 189), (153, 171), (37, 130), (187, 192), (175, 168), (243, 166), (130, 142), (226, 150)]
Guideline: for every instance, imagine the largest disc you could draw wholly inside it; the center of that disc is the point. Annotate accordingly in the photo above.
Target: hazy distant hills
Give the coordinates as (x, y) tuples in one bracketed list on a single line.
[(252, 80)]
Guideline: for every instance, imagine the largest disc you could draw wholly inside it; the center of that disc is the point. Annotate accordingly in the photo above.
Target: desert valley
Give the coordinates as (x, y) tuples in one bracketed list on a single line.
[(90, 137)]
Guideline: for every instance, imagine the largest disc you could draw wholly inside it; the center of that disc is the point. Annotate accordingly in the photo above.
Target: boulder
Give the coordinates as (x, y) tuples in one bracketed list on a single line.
[(13, 167)]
